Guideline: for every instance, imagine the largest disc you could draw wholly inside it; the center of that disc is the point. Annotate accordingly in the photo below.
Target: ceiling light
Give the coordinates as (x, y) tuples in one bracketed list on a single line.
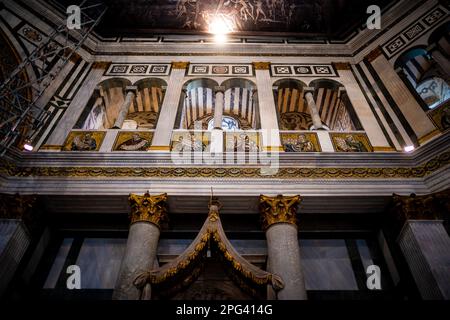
[(27, 146), (409, 148), (220, 26)]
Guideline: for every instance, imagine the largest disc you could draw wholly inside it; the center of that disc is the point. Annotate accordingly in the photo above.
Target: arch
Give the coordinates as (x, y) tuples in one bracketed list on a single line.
[(425, 78), (441, 32), (200, 99), (238, 82), (335, 108), (292, 109)]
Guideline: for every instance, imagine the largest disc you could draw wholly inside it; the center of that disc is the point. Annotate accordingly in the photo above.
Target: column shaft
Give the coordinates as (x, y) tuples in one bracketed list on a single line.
[(317, 121), (280, 223), (139, 257), (123, 112), (426, 247), (217, 133), (142, 244), (284, 256)]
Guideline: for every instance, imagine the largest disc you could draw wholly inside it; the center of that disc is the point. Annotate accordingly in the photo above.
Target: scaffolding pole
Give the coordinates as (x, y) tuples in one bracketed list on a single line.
[(20, 116)]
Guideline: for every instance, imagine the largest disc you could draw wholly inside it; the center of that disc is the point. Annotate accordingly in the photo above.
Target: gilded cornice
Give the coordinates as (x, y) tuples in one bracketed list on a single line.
[(147, 208), (278, 209), (287, 173), (261, 65)]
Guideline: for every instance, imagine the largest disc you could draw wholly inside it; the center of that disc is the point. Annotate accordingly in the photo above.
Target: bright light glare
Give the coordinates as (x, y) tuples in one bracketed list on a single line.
[(220, 27), (28, 147), (409, 148)]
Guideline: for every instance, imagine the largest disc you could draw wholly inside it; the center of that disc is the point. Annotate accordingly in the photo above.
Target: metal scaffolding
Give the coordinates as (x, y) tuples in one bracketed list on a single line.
[(20, 114)]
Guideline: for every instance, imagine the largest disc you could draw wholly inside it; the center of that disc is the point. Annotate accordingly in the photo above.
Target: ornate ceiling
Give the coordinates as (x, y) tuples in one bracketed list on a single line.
[(334, 19)]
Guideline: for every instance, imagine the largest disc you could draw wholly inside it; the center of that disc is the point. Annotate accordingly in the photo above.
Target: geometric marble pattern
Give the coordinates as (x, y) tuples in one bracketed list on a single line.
[(158, 69), (303, 70)]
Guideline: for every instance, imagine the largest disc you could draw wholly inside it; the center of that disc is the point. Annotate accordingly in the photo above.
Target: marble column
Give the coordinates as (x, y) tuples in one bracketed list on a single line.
[(280, 224), (147, 212), (169, 109), (77, 105), (267, 109), (317, 121), (15, 237), (414, 114), (217, 132), (362, 108), (425, 243), (123, 111)]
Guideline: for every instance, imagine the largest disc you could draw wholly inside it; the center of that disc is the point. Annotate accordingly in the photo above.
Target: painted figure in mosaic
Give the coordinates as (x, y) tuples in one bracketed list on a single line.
[(136, 143), (303, 144), (243, 143), (84, 142)]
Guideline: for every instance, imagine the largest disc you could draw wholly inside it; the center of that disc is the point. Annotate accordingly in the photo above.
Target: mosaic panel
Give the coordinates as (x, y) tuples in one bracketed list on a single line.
[(300, 142), (351, 142), (133, 141), (84, 141)]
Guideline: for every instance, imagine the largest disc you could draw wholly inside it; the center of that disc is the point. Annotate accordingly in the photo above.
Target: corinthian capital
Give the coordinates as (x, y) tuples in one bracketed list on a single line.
[(148, 208), (278, 209)]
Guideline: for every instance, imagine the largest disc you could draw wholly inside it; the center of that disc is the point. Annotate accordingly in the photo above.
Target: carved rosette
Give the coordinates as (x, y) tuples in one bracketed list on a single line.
[(425, 207), (147, 208), (278, 209)]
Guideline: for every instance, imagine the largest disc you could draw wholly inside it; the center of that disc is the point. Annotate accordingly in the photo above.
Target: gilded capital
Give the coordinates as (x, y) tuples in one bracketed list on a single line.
[(261, 65), (148, 208), (426, 207), (278, 209), (16, 206), (180, 65)]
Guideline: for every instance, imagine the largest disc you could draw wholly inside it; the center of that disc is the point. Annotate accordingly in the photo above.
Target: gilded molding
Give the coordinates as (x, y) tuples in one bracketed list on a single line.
[(384, 149), (148, 208), (261, 65), (211, 233), (180, 65), (425, 207), (288, 173), (429, 136), (51, 147), (278, 209), (374, 54)]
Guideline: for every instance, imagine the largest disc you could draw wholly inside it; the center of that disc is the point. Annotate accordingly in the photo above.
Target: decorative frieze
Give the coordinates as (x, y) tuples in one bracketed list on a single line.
[(414, 31), (84, 141), (220, 70), (138, 69), (351, 142), (147, 208), (303, 70), (278, 209), (289, 173)]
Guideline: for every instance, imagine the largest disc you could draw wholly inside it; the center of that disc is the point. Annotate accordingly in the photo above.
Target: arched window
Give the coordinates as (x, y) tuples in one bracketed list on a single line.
[(228, 124)]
